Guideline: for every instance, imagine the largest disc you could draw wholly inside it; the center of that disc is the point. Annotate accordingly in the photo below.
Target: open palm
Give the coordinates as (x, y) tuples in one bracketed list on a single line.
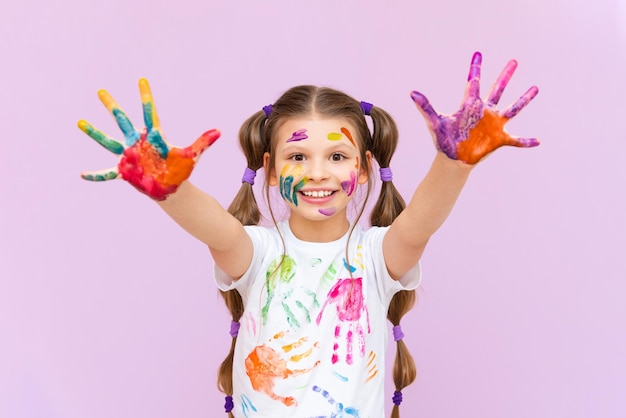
[(477, 128), (147, 161)]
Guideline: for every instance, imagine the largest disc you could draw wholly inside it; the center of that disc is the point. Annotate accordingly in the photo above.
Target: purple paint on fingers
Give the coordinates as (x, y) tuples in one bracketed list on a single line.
[(473, 78), (503, 80), (521, 103), (526, 142), (328, 211), (474, 71), (298, 135), (426, 108)]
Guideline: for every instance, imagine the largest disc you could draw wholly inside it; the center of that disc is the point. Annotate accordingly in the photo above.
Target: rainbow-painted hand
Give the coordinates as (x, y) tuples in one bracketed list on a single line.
[(477, 128), (147, 161)]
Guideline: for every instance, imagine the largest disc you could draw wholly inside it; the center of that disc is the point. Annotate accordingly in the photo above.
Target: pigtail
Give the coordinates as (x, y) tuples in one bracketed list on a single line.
[(404, 370), (387, 208), (384, 141), (244, 207)]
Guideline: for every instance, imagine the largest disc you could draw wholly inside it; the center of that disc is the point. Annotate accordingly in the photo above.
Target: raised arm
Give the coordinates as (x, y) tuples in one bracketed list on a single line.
[(160, 170), (462, 140)]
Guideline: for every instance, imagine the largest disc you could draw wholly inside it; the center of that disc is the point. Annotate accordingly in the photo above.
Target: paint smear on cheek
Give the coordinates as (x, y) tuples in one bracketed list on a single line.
[(298, 135), (349, 186), (328, 211), (288, 186), (348, 135)]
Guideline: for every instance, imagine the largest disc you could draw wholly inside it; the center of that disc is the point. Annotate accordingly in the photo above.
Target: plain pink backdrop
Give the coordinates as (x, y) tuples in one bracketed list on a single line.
[(108, 309)]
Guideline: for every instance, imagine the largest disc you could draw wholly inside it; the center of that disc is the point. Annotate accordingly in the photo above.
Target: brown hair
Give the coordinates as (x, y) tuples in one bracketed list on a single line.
[(255, 138)]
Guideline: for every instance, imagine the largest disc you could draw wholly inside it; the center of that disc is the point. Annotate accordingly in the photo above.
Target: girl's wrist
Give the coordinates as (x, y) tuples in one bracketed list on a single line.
[(451, 164)]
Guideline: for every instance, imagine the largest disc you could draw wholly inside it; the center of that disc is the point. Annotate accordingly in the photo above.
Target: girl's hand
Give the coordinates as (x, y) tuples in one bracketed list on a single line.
[(477, 128), (147, 161)]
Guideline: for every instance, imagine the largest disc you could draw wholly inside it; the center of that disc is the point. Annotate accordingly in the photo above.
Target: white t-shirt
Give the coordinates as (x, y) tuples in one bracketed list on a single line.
[(313, 339)]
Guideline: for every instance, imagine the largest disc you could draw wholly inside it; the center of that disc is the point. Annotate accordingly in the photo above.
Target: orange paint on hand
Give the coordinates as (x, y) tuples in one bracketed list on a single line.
[(487, 135), (179, 167)]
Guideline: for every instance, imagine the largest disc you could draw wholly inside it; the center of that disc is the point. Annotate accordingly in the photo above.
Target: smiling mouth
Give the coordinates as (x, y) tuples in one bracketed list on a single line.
[(317, 193)]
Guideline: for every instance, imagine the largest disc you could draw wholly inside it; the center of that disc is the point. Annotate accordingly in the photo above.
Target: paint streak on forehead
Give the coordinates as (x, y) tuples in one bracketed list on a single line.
[(348, 135), (336, 136), (298, 135)]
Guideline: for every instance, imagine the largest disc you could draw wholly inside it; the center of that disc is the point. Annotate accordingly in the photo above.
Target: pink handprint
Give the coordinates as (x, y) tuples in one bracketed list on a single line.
[(147, 161), (347, 294), (477, 128)]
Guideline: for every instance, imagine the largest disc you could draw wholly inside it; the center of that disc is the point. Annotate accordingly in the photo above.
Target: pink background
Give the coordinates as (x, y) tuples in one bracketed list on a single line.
[(108, 309)]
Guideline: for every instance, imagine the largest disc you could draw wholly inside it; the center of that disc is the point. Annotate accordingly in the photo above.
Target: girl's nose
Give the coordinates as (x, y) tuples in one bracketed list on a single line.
[(318, 170)]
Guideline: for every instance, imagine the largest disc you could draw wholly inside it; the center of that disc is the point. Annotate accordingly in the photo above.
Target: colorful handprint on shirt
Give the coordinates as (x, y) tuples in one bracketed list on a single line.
[(347, 295), (147, 161), (477, 128), (277, 282), (265, 365)]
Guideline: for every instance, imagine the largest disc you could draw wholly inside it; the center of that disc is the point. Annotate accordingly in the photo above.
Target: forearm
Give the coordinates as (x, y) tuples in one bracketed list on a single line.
[(432, 201), (203, 217)]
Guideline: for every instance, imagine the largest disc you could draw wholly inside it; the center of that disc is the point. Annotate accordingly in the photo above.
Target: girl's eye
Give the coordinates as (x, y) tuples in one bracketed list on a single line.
[(337, 157), (297, 157)]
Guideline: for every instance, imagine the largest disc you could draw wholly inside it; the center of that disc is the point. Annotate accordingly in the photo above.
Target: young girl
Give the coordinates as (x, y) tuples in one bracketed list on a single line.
[(310, 295)]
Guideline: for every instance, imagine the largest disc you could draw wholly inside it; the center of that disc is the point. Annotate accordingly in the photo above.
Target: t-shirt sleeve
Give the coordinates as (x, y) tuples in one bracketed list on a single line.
[(259, 237), (387, 285)]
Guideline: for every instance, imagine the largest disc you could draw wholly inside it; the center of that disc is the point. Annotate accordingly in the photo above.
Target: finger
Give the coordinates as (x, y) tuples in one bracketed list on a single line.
[(107, 142), (427, 110), (503, 79), (202, 143), (523, 142), (473, 78), (102, 175), (150, 117), (122, 120), (521, 103)]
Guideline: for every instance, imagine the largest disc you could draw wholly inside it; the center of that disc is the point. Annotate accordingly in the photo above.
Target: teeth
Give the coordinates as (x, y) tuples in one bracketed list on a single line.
[(317, 193)]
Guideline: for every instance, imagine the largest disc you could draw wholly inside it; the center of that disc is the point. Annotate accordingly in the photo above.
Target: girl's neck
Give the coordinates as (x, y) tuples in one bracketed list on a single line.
[(319, 231)]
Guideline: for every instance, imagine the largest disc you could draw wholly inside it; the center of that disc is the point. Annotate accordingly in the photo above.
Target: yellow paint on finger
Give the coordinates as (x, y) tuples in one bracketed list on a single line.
[(148, 101), (107, 100), (84, 126)]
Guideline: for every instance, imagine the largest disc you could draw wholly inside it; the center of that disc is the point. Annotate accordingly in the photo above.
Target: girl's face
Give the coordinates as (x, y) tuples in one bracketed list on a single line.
[(317, 169)]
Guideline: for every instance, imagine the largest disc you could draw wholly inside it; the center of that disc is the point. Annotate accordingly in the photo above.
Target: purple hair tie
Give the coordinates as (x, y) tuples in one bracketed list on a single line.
[(234, 328), (248, 176), (229, 405), (386, 174), (366, 108), (397, 398), (268, 110), (397, 333)]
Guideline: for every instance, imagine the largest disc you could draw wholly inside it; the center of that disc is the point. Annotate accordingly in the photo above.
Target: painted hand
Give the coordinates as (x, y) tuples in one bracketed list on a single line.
[(477, 128), (147, 161)]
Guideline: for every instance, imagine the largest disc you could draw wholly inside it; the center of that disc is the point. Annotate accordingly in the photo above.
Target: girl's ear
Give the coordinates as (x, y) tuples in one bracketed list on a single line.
[(364, 170), (270, 172)]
